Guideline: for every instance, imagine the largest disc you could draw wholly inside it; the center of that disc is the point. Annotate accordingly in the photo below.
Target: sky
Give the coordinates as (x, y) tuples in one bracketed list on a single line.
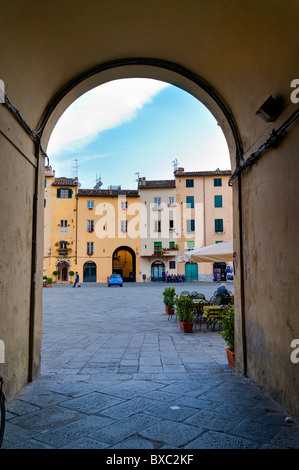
[(135, 126)]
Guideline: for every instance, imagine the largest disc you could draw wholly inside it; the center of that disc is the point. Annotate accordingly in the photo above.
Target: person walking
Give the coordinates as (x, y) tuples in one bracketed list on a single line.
[(76, 279)]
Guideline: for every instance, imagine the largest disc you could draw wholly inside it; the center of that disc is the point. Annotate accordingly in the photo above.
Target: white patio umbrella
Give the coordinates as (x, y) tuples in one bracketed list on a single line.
[(211, 253)]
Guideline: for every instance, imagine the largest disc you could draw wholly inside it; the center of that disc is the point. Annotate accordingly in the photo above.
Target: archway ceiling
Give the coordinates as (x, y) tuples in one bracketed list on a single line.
[(246, 50)]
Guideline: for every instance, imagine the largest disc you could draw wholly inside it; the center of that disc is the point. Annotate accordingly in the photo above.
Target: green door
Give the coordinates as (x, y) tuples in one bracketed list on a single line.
[(89, 272), (191, 271)]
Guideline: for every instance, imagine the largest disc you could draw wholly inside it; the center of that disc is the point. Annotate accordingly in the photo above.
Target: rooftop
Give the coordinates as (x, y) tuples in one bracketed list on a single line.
[(182, 172), (144, 184), (108, 192), (65, 182)]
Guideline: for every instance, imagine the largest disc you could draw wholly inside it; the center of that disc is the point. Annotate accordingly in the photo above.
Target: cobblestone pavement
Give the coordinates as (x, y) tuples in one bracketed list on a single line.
[(117, 373)]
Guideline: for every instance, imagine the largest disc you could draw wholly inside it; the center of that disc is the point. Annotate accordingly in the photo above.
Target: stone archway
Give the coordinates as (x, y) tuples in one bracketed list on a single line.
[(242, 55), (124, 263)]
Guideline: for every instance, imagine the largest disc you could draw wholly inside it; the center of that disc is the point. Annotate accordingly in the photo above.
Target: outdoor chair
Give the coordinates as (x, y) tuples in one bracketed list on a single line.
[(185, 294)]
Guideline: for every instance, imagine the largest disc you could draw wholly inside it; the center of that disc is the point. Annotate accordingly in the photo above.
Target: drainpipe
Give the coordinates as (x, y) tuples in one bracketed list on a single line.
[(242, 289), (33, 266)]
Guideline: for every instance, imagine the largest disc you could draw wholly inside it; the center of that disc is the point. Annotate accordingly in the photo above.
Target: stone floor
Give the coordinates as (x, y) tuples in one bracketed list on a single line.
[(117, 373)]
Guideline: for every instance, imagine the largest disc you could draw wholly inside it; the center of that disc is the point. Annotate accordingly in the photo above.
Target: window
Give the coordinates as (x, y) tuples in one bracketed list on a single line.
[(191, 225), (45, 202), (217, 181), (64, 193), (89, 248), (191, 245), (217, 201), (157, 203), (123, 226), (171, 225), (157, 225), (157, 247), (171, 201), (190, 202), (63, 245), (218, 225), (171, 244), (90, 226), (124, 204), (90, 204), (190, 183), (63, 225), (171, 264)]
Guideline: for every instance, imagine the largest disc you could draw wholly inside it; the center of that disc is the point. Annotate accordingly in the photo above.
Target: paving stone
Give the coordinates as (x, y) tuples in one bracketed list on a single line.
[(213, 420), (127, 408), (170, 432), (85, 443), (47, 418), (170, 411), (72, 432), (125, 428), (219, 440), (20, 407), (92, 402)]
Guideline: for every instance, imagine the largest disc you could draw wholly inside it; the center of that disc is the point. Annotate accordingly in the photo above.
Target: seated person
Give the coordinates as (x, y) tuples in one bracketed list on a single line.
[(224, 294)]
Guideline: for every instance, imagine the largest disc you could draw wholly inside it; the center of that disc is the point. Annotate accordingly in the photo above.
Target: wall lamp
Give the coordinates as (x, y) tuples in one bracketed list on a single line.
[(270, 110)]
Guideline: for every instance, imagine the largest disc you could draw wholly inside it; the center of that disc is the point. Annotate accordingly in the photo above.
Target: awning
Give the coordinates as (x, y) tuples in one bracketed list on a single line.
[(211, 253)]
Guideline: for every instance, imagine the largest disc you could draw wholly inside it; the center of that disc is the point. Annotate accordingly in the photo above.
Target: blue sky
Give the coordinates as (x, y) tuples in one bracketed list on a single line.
[(135, 126)]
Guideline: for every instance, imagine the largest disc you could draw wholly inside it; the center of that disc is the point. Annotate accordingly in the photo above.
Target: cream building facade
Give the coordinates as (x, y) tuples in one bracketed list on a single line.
[(158, 221), (204, 201)]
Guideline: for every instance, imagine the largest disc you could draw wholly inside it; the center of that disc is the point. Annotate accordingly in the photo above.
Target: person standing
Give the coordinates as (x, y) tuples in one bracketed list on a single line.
[(76, 279)]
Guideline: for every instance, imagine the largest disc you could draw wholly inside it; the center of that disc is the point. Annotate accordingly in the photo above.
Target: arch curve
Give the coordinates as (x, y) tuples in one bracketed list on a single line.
[(162, 70)]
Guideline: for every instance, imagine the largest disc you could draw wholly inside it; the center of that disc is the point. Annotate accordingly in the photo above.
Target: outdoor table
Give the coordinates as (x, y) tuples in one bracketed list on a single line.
[(214, 313)]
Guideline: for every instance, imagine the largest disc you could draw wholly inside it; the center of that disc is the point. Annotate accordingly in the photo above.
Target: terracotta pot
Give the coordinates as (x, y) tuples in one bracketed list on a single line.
[(230, 357), (169, 310), (186, 327)]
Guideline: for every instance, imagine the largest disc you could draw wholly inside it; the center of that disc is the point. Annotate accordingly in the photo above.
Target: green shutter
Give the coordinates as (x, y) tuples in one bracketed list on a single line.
[(70, 193), (58, 192), (218, 201)]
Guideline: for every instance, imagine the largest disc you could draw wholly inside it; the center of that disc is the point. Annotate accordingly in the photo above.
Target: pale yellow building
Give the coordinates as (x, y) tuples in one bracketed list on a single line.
[(204, 201), (59, 227), (108, 238)]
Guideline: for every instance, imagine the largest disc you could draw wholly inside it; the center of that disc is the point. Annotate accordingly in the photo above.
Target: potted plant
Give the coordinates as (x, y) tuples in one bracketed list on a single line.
[(184, 311), (169, 300), (71, 273), (228, 334), (55, 273), (49, 281)]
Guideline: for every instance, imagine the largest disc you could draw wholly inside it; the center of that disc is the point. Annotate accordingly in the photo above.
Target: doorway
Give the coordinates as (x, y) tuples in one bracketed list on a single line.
[(63, 271), (124, 263), (191, 272), (157, 269), (90, 272)]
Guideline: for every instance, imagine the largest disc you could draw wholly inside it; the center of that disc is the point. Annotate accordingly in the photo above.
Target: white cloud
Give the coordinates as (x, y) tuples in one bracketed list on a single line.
[(102, 108)]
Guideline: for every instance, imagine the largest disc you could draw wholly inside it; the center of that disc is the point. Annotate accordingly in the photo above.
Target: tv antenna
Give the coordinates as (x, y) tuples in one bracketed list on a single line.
[(99, 182), (75, 168), (175, 164)]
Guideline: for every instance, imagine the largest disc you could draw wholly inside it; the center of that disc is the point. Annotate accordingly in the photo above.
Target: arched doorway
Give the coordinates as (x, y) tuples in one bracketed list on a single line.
[(157, 269), (191, 271), (90, 272), (124, 263), (63, 271)]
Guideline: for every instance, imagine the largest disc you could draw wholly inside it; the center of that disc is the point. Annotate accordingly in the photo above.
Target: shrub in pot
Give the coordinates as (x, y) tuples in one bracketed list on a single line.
[(184, 311), (169, 300), (49, 281), (228, 334)]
